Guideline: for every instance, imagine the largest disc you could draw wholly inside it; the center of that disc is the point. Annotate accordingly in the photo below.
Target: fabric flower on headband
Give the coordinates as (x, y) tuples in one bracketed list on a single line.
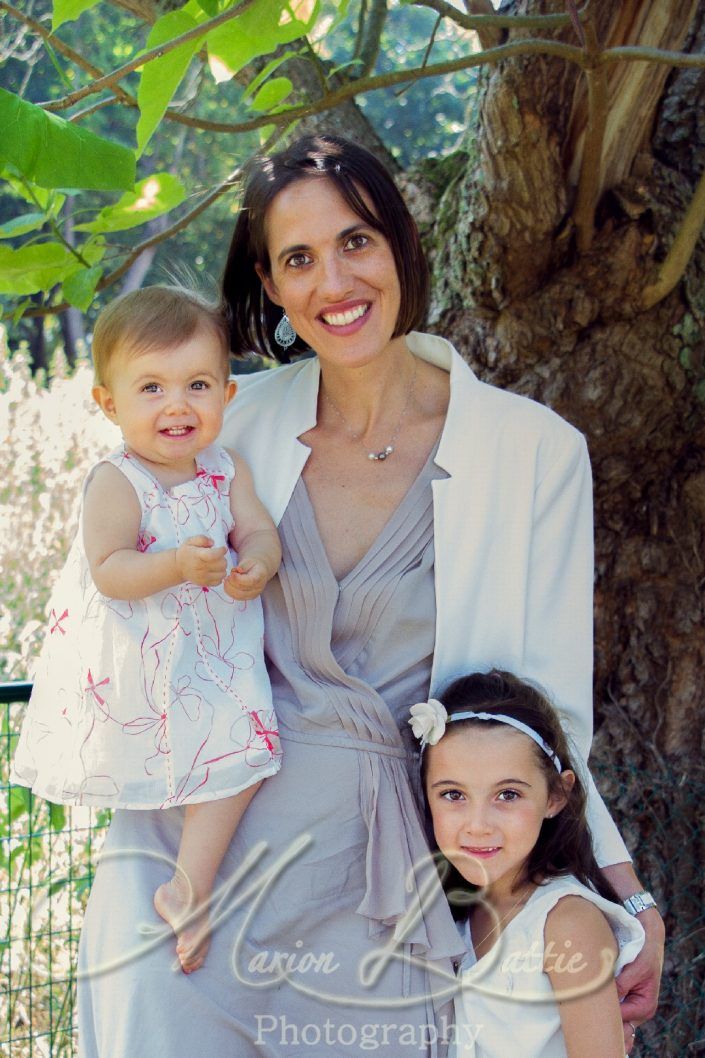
[(428, 721)]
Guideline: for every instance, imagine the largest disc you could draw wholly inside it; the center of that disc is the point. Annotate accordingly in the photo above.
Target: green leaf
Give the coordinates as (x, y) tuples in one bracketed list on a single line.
[(68, 10), (57, 816), (22, 224), (272, 93), (19, 801), (161, 77), (34, 268), (264, 73), (53, 152), (50, 201), (57, 886), (79, 288), (209, 6), (154, 195), (260, 29)]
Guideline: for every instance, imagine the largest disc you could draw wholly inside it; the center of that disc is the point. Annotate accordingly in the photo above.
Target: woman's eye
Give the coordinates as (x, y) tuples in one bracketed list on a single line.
[(509, 795), (298, 260), (452, 795), (357, 241)]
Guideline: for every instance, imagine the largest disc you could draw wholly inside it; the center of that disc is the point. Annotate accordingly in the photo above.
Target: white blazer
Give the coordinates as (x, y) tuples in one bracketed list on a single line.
[(512, 532)]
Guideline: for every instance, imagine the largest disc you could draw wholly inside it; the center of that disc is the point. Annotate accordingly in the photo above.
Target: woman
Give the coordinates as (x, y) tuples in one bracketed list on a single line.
[(429, 523)]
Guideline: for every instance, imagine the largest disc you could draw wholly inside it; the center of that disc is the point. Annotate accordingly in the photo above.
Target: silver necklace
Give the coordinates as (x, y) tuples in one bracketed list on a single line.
[(385, 452), (500, 922)]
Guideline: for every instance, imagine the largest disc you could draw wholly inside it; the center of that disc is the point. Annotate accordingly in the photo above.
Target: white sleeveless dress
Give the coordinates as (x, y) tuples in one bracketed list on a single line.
[(155, 702), (506, 1005)]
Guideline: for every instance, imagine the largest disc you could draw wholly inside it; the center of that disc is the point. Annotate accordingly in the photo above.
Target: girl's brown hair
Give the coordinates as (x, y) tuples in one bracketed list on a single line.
[(564, 844)]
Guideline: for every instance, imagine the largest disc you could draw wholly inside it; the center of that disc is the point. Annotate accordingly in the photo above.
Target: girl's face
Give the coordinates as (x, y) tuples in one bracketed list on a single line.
[(169, 403), (334, 276), (488, 797)]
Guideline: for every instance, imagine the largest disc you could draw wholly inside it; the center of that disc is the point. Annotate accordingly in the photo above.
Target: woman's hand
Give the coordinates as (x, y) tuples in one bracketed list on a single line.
[(638, 983)]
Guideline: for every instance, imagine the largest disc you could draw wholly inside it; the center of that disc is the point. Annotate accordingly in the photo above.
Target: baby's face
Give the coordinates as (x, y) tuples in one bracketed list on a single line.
[(169, 403)]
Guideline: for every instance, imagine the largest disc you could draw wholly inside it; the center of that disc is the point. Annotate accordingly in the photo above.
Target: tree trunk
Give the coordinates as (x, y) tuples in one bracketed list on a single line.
[(532, 314)]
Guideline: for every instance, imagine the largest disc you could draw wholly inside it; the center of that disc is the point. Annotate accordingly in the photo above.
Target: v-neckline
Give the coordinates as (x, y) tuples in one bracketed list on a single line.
[(467, 934), (386, 530)]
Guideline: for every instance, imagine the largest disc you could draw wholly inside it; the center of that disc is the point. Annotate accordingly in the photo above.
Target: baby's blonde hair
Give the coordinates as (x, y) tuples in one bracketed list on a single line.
[(155, 317)]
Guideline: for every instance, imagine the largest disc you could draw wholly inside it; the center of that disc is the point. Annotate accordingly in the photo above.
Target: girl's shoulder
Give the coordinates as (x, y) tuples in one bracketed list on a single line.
[(576, 918)]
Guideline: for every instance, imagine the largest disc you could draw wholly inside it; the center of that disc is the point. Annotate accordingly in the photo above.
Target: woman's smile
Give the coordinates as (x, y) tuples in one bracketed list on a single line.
[(333, 274)]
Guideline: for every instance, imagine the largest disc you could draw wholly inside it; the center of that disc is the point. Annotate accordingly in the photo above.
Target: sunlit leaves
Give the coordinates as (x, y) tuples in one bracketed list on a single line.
[(52, 152), (262, 27), (161, 77), (68, 10), (154, 195), (40, 266), (272, 93), (79, 288), (22, 224)]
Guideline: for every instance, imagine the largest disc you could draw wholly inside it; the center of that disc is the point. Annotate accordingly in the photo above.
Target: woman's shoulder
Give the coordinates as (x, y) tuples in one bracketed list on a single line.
[(491, 407), (258, 385)]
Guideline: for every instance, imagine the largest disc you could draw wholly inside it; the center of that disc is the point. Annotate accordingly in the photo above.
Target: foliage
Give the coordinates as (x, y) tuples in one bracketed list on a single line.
[(230, 70), (51, 435)]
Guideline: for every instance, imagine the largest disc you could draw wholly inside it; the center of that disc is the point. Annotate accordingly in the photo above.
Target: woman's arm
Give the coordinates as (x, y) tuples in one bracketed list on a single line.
[(254, 537), (111, 524), (579, 957), (559, 644), (638, 983)]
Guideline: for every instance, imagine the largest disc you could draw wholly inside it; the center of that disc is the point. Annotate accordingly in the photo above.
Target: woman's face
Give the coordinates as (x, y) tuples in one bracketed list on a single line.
[(334, 275)]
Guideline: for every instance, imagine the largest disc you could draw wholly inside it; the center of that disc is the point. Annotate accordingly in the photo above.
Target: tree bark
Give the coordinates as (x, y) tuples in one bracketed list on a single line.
[(532, 314)]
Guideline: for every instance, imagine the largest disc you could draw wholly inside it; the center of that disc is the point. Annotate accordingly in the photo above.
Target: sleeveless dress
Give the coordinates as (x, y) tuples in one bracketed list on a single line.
[(155, 702), (312, 955), (507, 1005)]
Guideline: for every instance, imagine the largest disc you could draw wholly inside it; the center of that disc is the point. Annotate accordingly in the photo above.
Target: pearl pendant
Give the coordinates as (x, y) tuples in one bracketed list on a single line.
[(381, 455)]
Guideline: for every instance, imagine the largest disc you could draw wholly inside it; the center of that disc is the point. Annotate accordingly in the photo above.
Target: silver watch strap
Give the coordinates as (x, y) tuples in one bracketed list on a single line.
[(639, 902)]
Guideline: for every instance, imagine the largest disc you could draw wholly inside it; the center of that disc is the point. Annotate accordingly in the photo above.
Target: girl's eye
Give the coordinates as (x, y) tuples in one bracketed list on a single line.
[(151, 387), (452, 795), (357, 241), (509, 795), (199, 384)]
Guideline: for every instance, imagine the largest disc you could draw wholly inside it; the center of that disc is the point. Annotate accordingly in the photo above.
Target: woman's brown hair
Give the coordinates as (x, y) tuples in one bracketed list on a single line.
[(357, 175)]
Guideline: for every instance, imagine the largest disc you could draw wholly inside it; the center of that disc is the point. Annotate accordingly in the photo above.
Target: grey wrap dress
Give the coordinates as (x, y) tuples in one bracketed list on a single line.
[(330, 937)]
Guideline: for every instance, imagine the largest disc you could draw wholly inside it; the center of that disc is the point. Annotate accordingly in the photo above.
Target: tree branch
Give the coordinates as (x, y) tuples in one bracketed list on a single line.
[(58, 45), (673, 267), (590, 170), (481, 22), (111, 79), (489, 37), (372, 36), (153, 240), (636, 53)]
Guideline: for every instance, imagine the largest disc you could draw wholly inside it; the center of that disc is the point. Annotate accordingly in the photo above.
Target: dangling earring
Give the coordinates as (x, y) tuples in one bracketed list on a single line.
[(284, 333)]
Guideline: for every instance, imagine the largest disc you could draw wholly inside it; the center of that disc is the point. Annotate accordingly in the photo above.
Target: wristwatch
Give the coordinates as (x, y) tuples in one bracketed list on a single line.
[(639, 902)]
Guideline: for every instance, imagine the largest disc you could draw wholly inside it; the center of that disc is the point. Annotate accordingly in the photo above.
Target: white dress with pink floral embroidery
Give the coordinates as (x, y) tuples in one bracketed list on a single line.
[(155, 702)]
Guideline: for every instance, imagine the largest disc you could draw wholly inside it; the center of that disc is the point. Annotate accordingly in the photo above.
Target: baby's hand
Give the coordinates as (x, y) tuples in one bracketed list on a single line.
[(201, 563), (247, 580)]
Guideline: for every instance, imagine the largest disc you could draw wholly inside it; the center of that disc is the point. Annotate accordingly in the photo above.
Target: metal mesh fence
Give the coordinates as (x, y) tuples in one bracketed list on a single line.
[(48, 856)]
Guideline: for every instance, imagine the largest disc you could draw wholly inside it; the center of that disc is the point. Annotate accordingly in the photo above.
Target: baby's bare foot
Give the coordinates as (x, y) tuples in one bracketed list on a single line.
[(175, 902)]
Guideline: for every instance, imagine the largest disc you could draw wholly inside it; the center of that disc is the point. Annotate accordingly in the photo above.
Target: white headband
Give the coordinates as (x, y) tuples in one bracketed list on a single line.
[(428, 722)]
